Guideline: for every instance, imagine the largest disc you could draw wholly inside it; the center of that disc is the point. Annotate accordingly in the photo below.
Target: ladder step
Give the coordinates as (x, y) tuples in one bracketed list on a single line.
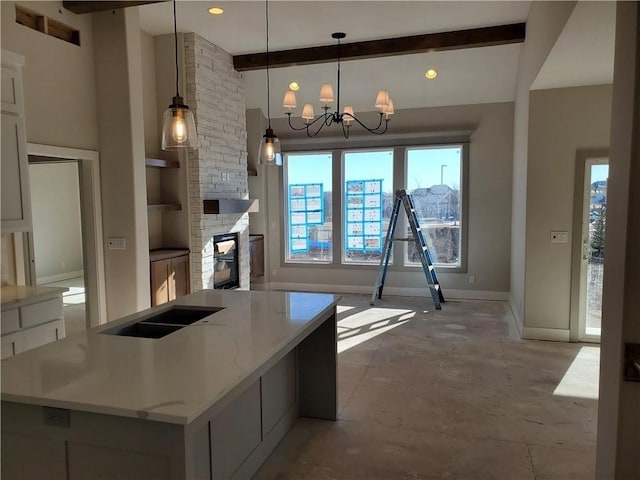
[(405, 200)]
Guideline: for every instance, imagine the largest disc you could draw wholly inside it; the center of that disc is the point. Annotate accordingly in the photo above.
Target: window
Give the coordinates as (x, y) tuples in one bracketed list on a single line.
[(434, 178), (309, 233), (367, 204)]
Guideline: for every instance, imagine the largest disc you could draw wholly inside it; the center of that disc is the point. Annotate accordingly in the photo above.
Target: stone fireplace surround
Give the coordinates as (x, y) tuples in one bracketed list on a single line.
[(215, 93)]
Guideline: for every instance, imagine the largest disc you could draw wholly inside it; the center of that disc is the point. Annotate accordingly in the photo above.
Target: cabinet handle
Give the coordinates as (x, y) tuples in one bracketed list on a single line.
[(13, 348), (57, 334)]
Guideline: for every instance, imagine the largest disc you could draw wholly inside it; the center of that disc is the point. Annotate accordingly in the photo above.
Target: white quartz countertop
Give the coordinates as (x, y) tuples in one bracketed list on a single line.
[(16, 295), (171, 379)]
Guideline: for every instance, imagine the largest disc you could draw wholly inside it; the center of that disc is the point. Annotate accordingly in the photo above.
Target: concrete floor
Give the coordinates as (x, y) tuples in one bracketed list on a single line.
[(447, 394)]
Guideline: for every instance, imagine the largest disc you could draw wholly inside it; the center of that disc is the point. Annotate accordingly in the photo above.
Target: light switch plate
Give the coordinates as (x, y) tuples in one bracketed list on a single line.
[(116, 243), (559, 237)]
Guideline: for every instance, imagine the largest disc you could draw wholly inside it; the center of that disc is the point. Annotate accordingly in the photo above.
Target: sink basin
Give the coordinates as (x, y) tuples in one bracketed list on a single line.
[(163, 323), (181, 315)]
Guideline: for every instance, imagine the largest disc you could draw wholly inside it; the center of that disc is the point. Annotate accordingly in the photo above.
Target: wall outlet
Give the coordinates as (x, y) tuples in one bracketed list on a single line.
[(472, 279), (559, 237), (57, 417), (226, 176), (116, 243)]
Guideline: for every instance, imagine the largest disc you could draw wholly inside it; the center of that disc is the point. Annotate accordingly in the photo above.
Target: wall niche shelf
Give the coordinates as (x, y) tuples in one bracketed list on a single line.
[(161, 163), (221, 206)]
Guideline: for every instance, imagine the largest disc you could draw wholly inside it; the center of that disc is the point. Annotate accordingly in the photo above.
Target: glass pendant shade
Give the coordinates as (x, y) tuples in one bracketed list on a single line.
[(269, 151), (178, 127)]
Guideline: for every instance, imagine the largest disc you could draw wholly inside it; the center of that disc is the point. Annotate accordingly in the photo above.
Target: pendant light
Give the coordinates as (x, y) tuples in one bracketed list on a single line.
[(178, 125), (270, 145)]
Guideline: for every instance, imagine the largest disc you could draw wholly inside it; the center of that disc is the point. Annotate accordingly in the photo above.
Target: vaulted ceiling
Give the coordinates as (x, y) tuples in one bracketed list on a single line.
[(468, 76)]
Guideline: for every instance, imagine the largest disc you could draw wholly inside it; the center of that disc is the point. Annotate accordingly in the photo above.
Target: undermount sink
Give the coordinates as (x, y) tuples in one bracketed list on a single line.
[(163, 323)]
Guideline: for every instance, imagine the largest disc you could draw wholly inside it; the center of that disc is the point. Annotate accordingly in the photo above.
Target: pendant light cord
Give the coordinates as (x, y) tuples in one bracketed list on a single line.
[(266, 3), (175, 38), (338, 105)]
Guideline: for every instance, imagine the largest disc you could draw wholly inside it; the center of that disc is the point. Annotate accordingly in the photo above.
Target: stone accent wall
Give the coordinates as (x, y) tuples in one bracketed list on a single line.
[(215, 93)]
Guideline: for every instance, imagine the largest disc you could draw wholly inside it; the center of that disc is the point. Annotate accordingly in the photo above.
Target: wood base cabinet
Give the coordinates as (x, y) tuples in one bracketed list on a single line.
[(256, 255), (169, 275)]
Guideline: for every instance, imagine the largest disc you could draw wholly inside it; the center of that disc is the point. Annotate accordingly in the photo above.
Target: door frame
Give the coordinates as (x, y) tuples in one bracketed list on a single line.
[(91, 219), (577, 287)]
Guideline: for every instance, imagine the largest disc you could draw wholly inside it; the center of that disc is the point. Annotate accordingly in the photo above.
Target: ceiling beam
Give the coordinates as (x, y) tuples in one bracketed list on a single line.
[(430, 42), (93, 6)]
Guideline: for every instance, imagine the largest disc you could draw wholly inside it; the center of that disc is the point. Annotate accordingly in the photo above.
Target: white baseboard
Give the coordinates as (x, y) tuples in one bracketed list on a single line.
[(516, 317), (59, 277), (396, 291), (552, 334)]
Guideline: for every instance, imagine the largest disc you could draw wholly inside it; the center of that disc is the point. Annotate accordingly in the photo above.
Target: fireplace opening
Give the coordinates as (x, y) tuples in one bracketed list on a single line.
[(225, 261)]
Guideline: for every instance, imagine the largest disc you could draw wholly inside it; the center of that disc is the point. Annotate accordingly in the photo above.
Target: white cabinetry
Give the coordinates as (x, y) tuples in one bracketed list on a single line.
[(16, 206), (30, 323)]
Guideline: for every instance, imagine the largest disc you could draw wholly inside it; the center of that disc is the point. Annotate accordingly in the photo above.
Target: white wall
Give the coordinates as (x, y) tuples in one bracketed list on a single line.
[(59, 78), (121, 123), (561, 122), (544, 24), (490, 161), (618, 407), (57, 231)]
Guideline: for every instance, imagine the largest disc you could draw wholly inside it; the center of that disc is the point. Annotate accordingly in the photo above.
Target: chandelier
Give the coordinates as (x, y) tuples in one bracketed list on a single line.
[(313, 125)]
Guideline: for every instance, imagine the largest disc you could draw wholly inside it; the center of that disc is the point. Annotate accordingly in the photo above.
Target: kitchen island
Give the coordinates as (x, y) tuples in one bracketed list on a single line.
[(209, 400)]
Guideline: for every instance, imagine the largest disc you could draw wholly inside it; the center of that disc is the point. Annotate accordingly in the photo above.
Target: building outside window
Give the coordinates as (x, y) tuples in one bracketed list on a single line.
[(308, 204), (434, 179), (367, 204)]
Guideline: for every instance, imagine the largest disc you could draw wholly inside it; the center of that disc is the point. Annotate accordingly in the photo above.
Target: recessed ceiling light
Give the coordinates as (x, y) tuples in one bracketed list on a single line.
[(216, 11), (294, 86), (431, 73)]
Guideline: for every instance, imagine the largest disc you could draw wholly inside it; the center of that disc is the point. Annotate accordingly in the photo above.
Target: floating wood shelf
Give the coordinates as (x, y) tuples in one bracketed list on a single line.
[(161, 163), (164, 207), (231, 206)]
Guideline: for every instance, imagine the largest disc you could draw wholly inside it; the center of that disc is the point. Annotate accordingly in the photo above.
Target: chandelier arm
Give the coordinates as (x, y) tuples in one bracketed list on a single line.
[(321, 125), (345, 130), (306, 125), (371, 130)]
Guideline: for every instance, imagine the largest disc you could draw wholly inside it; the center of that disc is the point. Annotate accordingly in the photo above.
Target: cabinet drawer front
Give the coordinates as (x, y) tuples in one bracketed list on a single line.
[(11, 344), (10, 321), (41, 312), (42, 334)]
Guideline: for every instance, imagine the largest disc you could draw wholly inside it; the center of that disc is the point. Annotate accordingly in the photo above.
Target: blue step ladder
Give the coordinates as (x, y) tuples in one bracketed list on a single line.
[(404, 199)]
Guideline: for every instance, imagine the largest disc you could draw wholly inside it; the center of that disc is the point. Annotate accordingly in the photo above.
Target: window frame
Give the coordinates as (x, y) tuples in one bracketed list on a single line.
[(461, 267), (342, 206), (400, 171), (285, 209)]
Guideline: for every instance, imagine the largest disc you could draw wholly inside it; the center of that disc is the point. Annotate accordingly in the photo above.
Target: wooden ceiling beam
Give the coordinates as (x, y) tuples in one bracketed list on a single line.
[(93, 6), (431, 42)]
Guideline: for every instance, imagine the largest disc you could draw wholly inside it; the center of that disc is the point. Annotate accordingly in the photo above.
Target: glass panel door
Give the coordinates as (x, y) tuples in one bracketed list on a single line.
[(594, 221)]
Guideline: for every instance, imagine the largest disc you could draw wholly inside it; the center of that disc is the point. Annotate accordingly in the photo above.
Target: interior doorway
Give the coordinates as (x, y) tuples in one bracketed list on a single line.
[(590, 264), (87, 284), (57, 233)]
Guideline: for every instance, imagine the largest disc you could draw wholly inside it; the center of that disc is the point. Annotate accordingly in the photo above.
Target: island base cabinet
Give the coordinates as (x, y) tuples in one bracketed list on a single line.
[(229, 440)]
